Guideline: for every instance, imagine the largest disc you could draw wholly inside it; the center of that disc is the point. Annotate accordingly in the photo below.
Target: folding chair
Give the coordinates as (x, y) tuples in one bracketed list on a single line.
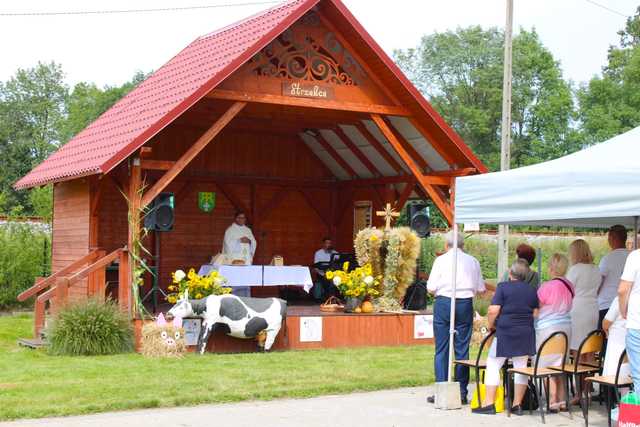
[(615, 382), (592, 344), (556, 345), (480, 362)]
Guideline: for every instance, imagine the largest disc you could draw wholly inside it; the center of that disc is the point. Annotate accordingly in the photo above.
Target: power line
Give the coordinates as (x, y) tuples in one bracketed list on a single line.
[(121, 11), (607, 8)]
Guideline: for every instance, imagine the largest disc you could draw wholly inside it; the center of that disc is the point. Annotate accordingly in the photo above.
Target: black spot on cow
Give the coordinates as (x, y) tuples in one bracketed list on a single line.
[(259, 305), (254, 326), (198, 306), (232, 308)]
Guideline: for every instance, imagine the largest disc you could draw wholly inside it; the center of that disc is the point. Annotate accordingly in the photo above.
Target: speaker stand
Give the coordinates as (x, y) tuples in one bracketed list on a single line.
[(155, 287)]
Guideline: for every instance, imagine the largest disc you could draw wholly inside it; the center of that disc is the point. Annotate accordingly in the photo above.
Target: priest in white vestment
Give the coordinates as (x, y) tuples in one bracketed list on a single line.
[(239, 243)]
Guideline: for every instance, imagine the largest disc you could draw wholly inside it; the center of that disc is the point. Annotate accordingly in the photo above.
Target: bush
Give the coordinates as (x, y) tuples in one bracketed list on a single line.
[(90, 328), (23, 257)]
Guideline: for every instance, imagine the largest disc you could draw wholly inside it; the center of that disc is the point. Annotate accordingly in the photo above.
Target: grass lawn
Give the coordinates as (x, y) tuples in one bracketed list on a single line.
[(34, 384)]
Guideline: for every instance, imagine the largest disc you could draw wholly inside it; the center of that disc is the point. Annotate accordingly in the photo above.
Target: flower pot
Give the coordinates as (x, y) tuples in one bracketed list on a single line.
[(351, 304)]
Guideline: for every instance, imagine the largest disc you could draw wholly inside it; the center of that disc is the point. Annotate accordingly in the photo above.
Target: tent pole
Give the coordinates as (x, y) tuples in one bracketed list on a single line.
[(452, 315), (635, 232)]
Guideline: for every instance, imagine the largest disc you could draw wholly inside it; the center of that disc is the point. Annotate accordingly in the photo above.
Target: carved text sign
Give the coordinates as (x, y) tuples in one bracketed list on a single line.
[(307, 90)]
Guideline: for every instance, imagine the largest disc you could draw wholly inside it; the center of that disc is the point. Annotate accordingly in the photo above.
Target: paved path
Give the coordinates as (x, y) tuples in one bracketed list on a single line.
[(402, 407)]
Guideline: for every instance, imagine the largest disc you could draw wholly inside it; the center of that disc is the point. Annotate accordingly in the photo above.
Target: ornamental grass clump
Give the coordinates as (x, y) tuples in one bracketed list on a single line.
[(90, 328)]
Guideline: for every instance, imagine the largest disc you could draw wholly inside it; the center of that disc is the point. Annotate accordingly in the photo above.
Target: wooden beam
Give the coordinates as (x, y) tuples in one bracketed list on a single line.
[(192, 152), (356, 150), (433, 180), (406, 145), (455, 172), (434, 142), (334, 154), (434, 195), (164, 165), (324, 167), (379, 147), (145, 152), (313, 205), (235, 201), (404, 196), (232, 95)]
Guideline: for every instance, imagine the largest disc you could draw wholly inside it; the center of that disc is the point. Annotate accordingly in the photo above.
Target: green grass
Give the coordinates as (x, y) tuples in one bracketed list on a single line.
[(35, 384)]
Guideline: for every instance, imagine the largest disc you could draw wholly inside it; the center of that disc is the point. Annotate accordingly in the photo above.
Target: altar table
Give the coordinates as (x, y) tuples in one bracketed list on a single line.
[(262, 275)]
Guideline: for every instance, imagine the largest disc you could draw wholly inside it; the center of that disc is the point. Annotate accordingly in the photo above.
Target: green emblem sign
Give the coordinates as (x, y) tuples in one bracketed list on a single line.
[(206, 201)]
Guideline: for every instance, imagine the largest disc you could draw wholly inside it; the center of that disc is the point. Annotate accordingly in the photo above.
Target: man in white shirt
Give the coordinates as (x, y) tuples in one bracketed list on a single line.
[(629, 301), (611, 267), (469, 283), (324, 253)]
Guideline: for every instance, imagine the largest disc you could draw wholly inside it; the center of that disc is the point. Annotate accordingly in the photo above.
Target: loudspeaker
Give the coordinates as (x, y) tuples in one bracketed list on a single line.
[(419, 219), (160, 214)]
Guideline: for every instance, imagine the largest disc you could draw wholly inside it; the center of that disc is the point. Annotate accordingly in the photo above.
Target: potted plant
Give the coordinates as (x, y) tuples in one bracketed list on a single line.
[(355, 285)]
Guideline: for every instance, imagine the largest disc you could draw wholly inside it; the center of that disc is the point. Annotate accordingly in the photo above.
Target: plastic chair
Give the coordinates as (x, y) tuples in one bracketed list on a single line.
[(557, 344), (615, 382)]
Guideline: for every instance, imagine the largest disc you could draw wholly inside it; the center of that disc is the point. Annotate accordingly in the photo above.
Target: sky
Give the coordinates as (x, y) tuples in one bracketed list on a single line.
[(109, 48)]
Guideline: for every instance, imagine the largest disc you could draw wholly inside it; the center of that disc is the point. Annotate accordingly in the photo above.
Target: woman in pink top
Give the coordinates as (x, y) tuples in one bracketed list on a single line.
[(556, 300)]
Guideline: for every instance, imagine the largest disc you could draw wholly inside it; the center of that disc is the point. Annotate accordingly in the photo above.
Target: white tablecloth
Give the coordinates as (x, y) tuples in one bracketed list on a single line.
[(258, 275)]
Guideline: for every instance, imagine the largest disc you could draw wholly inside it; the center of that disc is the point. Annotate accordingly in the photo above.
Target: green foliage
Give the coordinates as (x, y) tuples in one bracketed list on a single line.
[(22, 259), (461, 73), (38, 113), (610, 104), (90, 328)]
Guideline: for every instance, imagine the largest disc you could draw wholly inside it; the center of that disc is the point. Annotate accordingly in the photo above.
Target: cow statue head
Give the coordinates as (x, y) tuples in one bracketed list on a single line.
[(183, 307), (163, 338)]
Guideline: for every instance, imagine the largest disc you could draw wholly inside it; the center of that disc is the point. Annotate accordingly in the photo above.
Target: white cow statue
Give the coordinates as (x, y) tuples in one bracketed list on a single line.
[(240, 317)]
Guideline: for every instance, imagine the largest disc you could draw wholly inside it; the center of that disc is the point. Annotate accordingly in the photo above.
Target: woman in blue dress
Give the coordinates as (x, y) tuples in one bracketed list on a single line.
[(511, 314)]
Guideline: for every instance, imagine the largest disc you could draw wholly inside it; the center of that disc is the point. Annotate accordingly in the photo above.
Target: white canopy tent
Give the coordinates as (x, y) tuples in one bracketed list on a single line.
[(596, 187)]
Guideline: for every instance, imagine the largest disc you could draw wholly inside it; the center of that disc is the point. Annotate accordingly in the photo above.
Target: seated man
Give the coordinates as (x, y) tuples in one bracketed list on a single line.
[(323, 288)]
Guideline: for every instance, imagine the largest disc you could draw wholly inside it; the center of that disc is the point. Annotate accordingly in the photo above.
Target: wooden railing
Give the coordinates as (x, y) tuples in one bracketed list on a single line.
[(59, 283)]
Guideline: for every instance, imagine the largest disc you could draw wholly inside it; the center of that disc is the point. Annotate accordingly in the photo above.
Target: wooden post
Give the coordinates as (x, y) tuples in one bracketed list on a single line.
[(135, 205), (124, 282), (39, 314), (62, 292), (99, 279)]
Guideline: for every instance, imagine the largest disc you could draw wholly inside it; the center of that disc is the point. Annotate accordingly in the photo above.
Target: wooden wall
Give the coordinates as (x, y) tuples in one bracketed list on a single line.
[(70, 240)]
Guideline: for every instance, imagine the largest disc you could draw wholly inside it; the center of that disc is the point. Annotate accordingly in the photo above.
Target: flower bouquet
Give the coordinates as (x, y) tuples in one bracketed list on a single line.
[(198, 286), (355, 285)]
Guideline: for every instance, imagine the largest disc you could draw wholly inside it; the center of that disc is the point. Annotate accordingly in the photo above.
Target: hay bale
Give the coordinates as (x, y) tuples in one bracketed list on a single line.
[(162, 340)]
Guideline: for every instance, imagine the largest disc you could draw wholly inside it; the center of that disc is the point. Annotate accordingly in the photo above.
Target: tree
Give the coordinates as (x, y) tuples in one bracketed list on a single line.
[(87, 102), (461, 73), (610, 104), (32, 109)]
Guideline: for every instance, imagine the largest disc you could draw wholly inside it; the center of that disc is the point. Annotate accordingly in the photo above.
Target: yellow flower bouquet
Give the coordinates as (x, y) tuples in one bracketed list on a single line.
[(198, 286), (359, 283)]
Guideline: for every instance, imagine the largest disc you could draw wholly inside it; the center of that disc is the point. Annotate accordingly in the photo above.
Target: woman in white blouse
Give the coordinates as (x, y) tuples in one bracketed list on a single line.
[(586, 278), (616, 330)]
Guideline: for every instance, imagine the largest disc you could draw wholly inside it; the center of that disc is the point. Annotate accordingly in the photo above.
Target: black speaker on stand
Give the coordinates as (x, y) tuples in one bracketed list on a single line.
[(418, 214), (159, 218)]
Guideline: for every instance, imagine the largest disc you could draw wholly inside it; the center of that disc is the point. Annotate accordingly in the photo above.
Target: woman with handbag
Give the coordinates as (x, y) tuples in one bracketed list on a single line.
[(556, 300), (511, 314)]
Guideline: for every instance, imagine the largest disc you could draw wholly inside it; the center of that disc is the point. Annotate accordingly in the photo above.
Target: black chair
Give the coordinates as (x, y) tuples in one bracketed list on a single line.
[(480, 362)]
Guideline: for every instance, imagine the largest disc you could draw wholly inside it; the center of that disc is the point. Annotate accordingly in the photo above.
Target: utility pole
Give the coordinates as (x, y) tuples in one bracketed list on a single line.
[(505, 146)]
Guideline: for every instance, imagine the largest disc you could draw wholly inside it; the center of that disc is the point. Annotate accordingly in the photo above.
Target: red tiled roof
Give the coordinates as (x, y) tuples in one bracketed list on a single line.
[(197, 70), (166, 94)]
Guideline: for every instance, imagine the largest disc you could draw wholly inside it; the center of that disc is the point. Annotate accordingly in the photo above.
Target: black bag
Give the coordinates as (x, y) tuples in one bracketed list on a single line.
[(416, 296), (530, 399)]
